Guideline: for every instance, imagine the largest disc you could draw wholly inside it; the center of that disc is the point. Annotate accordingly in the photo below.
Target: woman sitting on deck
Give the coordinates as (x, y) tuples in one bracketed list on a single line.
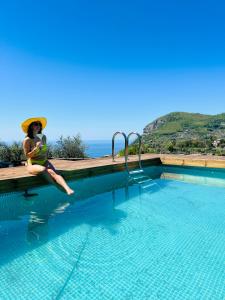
[(35, 149)]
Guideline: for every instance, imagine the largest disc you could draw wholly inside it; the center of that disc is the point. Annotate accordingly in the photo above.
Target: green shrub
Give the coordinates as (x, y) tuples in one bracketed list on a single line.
[(4, 152), (16, 152), (12, 153), (220, 151), (69, 147), (133, 150)]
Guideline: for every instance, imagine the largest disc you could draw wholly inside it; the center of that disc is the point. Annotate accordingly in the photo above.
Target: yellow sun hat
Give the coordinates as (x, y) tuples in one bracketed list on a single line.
[(25, 125)]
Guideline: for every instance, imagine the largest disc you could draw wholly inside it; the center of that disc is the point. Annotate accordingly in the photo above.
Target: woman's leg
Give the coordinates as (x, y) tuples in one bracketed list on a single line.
[(40, 170), (52, 173), (36, 169)]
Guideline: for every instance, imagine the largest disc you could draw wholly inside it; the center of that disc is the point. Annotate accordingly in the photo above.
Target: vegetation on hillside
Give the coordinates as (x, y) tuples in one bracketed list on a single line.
[(185, 133)]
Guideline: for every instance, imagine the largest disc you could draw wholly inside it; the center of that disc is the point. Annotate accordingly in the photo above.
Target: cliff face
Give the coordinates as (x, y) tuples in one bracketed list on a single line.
[(189, 129)]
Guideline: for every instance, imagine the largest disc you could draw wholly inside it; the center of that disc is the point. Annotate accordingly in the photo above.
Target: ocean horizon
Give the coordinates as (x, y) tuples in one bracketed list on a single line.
[(98, 148)]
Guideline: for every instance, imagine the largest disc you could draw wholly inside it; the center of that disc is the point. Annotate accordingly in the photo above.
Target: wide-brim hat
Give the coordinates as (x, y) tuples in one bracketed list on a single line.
[(25, 125)]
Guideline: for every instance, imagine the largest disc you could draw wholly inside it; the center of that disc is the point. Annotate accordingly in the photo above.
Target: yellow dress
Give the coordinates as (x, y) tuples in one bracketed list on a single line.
[(41, 152)]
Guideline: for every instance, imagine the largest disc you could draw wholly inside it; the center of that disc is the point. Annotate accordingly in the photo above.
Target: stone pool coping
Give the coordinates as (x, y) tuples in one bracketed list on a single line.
[(18, 179)]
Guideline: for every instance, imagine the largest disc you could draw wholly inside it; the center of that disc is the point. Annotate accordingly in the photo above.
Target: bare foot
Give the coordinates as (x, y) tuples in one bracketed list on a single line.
[(70, 192)]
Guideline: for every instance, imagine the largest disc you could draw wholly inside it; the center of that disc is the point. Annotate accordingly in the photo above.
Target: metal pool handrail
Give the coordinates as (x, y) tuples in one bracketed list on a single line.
[(139, 146), (113, 145)]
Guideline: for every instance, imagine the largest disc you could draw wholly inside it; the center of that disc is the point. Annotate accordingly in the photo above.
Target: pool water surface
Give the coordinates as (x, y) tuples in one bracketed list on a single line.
[(115, 240)]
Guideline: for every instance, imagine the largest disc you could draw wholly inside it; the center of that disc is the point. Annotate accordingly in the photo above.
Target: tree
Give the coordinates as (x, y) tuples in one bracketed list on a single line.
[(16, 152), (4, 152), (69, 147)]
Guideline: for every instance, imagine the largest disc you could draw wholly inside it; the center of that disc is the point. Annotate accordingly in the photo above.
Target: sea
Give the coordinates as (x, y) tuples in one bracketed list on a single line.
[(99, 148)]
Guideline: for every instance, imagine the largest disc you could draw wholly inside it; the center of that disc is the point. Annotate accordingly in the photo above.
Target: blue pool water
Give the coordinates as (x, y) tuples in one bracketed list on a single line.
[(115, 240)]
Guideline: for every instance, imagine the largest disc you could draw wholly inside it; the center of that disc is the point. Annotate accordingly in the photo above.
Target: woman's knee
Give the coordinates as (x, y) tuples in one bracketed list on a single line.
[(51, 172), (36, 169)]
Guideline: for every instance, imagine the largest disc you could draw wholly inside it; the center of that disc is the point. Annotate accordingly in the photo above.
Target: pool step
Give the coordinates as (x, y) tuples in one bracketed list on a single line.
[(148, 185), (137, 174), (139, 171), (144, 180), (140, 177), (145, 183)]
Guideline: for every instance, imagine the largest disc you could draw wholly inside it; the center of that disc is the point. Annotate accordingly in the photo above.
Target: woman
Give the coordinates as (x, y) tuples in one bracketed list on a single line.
[(35, 149)]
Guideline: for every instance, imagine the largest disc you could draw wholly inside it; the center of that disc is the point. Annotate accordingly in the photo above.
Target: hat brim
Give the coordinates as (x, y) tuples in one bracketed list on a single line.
[(25, 125)]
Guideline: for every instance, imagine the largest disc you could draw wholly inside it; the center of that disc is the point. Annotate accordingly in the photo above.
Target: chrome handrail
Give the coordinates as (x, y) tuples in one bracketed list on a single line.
[(113, 145), (139, 146)]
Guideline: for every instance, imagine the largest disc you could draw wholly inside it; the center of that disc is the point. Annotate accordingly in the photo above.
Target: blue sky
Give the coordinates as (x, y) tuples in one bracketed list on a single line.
[(94, 67)]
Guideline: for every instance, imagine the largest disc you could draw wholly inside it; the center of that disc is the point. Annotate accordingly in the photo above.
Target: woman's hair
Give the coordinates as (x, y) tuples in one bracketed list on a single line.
[(30, 130)]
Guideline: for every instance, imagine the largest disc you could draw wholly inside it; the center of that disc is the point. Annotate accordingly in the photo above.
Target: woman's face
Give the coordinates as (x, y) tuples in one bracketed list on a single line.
[(36, 127)]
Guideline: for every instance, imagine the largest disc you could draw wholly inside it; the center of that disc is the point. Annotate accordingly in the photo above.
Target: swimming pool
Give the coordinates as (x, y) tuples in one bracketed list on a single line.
[(117, 240)]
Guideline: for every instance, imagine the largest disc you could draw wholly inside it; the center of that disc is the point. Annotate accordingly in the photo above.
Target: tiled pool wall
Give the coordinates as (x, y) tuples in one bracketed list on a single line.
[(197, 175)]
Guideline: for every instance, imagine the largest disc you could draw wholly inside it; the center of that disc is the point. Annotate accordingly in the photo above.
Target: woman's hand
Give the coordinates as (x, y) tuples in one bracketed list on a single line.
[(39, 145), (27, 146)]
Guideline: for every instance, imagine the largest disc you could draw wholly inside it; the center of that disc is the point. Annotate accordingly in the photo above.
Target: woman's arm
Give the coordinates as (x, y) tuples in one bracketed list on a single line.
[(26, 149)]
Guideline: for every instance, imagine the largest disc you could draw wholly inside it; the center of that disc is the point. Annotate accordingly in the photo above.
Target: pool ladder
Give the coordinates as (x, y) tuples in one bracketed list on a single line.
[(137, 175), (126, 140)]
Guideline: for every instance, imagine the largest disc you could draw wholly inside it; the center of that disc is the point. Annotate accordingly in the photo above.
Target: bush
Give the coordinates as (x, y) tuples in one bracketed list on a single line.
[(220, 151), (4, 152), (70, 147), (16, 152), (12, 153), (133, 149)]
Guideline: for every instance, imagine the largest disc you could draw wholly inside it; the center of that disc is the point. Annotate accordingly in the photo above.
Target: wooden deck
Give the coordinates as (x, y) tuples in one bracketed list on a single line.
[(15, 179)]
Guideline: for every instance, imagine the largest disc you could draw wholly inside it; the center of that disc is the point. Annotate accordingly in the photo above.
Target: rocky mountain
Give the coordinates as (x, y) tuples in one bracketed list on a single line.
[(181, 132)]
